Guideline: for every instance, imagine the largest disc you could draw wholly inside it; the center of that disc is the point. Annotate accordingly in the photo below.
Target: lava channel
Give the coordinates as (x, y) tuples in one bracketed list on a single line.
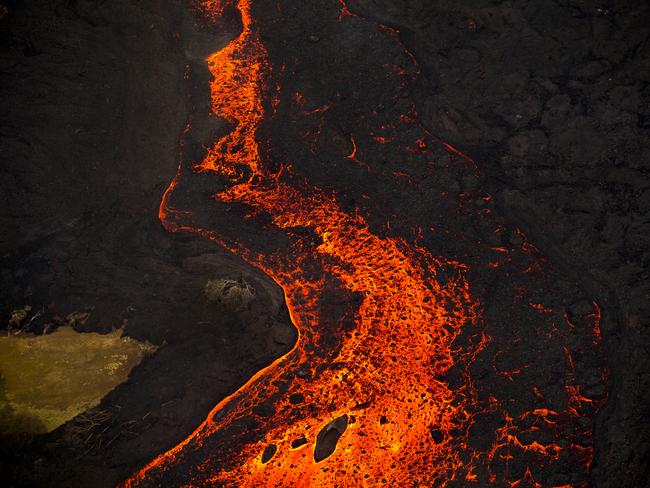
[(361, 399)]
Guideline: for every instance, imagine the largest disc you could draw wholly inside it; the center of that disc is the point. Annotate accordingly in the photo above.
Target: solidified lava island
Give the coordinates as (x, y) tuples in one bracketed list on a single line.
[(340, 294)]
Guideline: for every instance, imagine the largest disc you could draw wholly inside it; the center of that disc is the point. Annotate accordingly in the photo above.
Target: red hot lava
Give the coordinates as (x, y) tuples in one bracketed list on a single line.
[(372, 406)]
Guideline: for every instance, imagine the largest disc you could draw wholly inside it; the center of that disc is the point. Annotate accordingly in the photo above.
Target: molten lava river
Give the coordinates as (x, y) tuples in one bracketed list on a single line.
[(403, 374)]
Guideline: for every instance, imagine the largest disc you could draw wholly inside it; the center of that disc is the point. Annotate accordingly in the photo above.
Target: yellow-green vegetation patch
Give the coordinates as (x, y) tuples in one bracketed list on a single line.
[(49, 379)]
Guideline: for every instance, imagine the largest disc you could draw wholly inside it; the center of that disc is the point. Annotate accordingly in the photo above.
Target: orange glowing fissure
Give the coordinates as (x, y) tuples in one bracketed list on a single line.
[(386, 374)]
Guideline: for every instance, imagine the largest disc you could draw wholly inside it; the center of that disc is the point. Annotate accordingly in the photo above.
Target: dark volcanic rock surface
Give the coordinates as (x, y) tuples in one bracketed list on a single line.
[(550, 98)]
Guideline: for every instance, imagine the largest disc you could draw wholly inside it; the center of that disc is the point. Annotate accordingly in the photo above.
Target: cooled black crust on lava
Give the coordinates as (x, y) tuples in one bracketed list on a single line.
[(93, 107)]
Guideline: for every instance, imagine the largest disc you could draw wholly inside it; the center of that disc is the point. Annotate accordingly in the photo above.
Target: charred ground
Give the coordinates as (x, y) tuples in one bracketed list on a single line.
[(551, 101)]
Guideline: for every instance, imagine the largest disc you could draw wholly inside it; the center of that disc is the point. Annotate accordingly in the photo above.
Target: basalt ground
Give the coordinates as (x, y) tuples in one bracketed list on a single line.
[(550, 100)]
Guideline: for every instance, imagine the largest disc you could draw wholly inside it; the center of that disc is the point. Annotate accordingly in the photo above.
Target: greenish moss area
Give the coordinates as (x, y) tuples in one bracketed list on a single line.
[(47, 380)]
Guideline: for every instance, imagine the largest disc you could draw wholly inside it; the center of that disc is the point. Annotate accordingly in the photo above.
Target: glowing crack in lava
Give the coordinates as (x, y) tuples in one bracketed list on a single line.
[(361, 399)]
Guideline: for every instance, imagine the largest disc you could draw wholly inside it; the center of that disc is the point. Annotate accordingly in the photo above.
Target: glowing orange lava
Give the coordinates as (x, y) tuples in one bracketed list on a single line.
[(388, 370), (393, 338)]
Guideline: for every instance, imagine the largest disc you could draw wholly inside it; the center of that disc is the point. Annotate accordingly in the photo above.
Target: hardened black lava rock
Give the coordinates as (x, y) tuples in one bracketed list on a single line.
[(549, 98)]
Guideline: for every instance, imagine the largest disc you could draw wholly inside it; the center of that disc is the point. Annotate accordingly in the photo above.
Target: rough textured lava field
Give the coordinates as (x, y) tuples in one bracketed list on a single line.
[(325, 243)]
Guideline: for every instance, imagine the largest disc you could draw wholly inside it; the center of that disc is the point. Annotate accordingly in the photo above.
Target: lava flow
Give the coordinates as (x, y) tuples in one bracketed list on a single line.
[(362, 398)]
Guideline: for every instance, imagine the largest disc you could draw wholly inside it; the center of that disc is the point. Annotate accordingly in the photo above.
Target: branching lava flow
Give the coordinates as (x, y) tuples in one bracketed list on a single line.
[(362, 399)]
